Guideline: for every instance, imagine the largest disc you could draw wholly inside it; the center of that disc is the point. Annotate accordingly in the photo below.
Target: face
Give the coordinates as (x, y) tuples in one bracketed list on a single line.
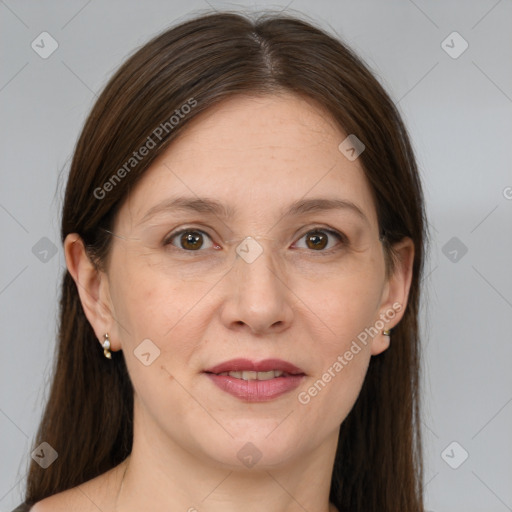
[(306, 290)]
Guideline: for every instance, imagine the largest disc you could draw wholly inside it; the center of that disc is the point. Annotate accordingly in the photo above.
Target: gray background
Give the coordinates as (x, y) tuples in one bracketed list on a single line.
[(458, 111)]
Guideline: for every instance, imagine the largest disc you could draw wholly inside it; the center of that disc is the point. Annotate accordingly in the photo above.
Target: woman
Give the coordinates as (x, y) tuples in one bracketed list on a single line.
[(243, 229)]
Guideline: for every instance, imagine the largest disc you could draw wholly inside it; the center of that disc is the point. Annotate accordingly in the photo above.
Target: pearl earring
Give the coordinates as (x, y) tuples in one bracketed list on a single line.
[(106, 346)]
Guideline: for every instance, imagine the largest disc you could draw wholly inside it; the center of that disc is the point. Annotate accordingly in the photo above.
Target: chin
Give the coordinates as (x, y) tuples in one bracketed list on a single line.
[(259, 447)]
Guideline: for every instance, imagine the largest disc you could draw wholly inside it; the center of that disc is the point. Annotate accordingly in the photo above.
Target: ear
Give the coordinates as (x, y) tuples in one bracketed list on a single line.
[(93, 288), (395, 294)]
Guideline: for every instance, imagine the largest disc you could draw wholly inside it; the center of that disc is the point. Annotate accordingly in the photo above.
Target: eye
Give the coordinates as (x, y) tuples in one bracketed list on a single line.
[(192, 240), (189, 239), (318, 238)]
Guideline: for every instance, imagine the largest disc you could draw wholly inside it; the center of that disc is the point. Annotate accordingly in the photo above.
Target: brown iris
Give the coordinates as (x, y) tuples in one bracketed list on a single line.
[(317, 238), (191, 239)]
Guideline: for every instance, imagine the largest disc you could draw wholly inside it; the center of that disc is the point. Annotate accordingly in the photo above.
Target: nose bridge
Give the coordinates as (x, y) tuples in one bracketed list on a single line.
[(258, 258), (251, 248)]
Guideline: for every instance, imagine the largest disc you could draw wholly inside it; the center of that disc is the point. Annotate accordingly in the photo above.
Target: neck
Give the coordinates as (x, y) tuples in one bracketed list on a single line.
[(160, 475)]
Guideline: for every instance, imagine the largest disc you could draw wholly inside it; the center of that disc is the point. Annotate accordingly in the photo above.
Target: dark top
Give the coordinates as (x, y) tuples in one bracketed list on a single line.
[(22, 508)]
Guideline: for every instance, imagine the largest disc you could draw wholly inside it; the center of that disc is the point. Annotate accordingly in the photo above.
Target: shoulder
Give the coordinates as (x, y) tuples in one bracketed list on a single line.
[(70, 500), (91, 496)]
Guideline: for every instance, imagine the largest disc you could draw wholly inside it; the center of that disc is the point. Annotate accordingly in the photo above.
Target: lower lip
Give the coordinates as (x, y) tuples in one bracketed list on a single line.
[(256, 390)]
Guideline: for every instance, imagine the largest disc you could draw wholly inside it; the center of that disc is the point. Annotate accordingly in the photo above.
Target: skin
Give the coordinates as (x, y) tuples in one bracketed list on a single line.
[(257, 154)]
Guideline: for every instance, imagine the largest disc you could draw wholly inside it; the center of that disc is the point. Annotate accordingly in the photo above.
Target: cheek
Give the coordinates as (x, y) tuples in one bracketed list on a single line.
[(145, 303), (343, 305), (340, 366), (345, 314), (152, 306)]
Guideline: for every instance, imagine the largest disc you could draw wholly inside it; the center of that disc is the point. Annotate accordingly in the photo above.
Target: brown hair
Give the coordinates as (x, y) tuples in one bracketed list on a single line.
[(88, 417)]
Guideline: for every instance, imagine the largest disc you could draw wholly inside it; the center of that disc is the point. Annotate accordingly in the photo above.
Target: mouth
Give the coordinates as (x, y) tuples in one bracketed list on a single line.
[(255, 370), (250, 375), (252, 381)]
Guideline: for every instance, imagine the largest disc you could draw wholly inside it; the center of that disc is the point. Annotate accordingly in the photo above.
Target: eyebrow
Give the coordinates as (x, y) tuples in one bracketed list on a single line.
[(213, 207)]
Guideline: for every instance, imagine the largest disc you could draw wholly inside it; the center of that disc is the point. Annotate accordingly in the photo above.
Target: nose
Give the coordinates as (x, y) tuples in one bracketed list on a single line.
[(257, 296)]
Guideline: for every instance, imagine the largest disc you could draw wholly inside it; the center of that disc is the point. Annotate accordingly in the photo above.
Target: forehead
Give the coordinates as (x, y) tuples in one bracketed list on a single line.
[(266, 125), (256, 155)]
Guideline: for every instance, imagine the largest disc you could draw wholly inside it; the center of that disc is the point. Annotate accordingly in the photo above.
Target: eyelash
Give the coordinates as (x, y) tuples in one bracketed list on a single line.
[(340, 236)]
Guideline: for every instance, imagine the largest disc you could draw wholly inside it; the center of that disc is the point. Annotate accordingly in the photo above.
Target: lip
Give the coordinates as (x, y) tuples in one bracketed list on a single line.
[(256, 390), (240, 365)]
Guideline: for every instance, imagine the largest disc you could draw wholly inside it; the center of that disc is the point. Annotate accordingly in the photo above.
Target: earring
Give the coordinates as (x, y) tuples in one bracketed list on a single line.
[(106, 346), (386, 332)]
